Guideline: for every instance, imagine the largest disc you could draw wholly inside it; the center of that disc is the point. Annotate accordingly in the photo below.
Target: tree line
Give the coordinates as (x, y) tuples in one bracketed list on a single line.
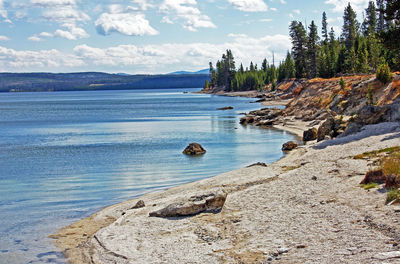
[(361, 48)]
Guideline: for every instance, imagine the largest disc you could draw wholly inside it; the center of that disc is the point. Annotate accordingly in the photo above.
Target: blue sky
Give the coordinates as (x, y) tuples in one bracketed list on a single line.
[(151, 36)]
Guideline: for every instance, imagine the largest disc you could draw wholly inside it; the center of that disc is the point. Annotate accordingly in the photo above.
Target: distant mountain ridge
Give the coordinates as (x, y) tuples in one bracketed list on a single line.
[(34, 82), (204, 71)]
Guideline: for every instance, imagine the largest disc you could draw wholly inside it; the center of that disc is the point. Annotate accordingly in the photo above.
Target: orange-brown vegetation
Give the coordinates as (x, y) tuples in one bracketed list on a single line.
[(319, 94)]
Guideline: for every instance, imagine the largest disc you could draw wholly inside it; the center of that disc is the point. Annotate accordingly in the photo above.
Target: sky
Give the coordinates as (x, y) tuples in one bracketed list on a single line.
[(152, 36)]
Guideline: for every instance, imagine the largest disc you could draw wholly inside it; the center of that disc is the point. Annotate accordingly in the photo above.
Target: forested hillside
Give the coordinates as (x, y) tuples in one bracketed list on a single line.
[(33, 82), (366, 47)]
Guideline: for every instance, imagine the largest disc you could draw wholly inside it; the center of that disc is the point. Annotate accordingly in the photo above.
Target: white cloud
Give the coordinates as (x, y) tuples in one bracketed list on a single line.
[(265, 20), (273, 9), (143, 5), (72, 33), (249, 5), (4, 38), (232, 35), (65, 14), (339, 5), (3, 11), (14, 60), (192, 55), (296, 11), (52, 3), (188, 12), (34, 38), (130, 24), (46, 34)]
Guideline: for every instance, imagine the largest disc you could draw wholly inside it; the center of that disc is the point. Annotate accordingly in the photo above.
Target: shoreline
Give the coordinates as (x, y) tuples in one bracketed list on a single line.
[(102, 237), (119, 232), (71, 239)]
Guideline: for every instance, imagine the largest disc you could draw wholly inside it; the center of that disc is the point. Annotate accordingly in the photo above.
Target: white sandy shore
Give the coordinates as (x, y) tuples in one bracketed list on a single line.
[(269, 210)]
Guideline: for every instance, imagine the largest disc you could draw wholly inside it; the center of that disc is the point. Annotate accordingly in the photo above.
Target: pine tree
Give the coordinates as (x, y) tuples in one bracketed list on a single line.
[(252, 66), (350, 27), (213, 76), (324, 28), (380, 27), (241, 70), (312, 48), (264, 65), (299, 48), (370, 21), (391, 35)]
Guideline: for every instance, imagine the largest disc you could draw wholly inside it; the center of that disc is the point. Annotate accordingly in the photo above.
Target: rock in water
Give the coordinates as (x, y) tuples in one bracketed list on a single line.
[(225, 108), (310, 134), (212, 202), (289, 146), (194, 149)]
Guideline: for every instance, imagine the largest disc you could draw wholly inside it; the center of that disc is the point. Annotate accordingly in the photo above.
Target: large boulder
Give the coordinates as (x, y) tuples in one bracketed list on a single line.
[(310, 134), (325, 128), (194, 149), (211, 202), (372, 114), (289, 146)]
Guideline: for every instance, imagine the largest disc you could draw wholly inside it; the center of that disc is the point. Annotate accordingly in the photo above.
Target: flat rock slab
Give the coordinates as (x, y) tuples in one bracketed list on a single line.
[(212, 202), (387, 255)]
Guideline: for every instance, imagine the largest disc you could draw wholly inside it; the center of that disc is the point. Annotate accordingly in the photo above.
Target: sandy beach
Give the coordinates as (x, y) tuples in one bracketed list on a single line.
[(307, 207)]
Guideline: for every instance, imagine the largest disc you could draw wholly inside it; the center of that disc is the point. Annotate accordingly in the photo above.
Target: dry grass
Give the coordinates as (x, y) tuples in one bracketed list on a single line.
[(369, 185), (391, 164), (376, 153)]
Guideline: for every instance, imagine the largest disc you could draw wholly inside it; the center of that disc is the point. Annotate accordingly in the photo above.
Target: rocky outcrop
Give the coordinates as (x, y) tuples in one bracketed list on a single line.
[(211, 202), (310, 134), (392, 181), (288, 146), (262, 117), (376, 176), (194, 149)]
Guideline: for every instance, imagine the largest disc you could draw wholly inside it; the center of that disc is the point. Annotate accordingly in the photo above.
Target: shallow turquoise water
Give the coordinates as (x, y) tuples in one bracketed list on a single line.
[(65, 155)]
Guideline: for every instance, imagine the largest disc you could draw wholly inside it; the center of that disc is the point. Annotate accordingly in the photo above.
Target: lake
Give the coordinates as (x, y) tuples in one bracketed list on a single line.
[(66, 155)]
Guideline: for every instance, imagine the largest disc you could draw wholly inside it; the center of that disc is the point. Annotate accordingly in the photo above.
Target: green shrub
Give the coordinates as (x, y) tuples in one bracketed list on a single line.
[(392, 194), (370, 95), (342, 84), (383, 73)]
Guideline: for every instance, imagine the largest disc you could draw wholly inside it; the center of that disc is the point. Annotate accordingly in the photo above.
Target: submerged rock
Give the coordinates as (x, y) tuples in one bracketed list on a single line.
[(194, 149), (211, 202), (225, 108), (262, 164), (289, 146)]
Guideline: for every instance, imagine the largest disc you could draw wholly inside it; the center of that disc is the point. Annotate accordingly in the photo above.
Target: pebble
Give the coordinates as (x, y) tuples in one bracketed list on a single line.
[(283, 250)]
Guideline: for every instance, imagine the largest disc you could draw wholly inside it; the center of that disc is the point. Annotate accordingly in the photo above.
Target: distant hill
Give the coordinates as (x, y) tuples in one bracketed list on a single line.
[(205, 71), (33, 82)]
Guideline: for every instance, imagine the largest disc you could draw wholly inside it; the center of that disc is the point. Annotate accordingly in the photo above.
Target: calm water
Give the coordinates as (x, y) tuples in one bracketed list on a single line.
[(65, 155)]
